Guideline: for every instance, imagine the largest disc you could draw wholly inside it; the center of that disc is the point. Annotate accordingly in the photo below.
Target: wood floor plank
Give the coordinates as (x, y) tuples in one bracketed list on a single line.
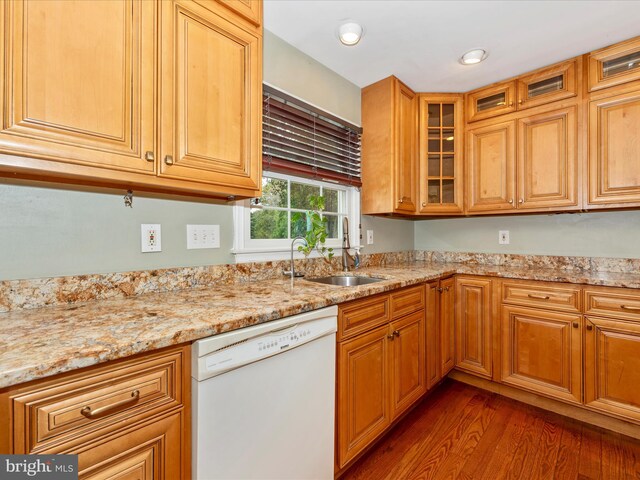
[(461, 432)]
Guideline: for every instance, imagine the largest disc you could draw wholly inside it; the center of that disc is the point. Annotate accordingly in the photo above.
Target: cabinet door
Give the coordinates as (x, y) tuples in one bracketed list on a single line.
[(441, 154), (491, 168), (432, 330), (541, 352), (612, 367), (78, 83), (614, 150), (548, 160), (614, 65), (211, 84), (406, 149), (249, 9), (152, 452), (548, 85), (473, 325), (447, 326), (363, 391), (491, 101), (407, 361)]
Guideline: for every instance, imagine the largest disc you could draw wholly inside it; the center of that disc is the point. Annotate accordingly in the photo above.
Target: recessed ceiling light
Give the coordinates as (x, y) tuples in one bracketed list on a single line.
[(350, 33), (473, 56)]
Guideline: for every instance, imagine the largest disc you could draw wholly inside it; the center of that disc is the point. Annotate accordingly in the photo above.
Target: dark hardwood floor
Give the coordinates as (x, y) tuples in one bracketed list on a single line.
[(461, 432)]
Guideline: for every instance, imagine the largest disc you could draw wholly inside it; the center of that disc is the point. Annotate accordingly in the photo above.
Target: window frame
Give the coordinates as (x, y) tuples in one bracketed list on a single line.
[(246, 249)]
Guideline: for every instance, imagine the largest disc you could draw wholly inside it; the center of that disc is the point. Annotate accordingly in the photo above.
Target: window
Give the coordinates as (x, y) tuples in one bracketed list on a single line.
[(264, 227), (305, 152)]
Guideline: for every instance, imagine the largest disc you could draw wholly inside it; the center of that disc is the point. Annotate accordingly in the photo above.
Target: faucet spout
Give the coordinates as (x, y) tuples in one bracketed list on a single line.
[(348, 261), (292, 271)]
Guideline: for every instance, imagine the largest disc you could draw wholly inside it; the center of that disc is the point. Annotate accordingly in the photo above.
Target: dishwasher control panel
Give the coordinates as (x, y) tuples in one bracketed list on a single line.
[(252, 349)]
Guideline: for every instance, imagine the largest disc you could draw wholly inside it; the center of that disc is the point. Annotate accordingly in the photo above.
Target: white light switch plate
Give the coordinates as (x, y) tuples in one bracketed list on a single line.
[(151, 238), (503, 237), (369, 237), (203, 236)]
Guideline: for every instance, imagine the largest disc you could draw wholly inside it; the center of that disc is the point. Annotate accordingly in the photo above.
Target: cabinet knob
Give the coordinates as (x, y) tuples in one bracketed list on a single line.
[(521, 201), (401, 200), (168, 159), (396, 333), (446, 289), (440, 289), (390, 337), (511, 104), (589, 327), (149, 156), (576, 324), (520, 102), (424, 204), (511, 201)]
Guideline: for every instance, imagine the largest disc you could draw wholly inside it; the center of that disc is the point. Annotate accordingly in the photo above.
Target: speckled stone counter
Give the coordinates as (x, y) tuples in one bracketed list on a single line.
[(36, 343)]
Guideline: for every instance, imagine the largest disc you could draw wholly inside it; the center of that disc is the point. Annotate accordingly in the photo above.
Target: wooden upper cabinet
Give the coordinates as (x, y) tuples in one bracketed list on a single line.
[(389, 148), (548, 160), (474, 315), (441, 154), (249, 9), (548, 85), (614, 150), (614, 65), (211, 99), (542, 352), (78, 83), (491, 168), (612, 367), (490, 101)]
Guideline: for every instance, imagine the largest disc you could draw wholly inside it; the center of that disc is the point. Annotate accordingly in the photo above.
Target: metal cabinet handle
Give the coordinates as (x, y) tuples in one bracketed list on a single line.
[(520, 102), (424, 204), (87, 412), (401, 201), (630, 308), (511, 201), (168, 159), (446, 289), (576, 324), (539, 297), (511, 104), (521, 201), (390, 337), (396, 333), (149, 156), (440, 289), (589, 327)]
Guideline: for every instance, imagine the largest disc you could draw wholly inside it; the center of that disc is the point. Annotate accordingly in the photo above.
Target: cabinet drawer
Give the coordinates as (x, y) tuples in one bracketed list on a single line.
[(76, 408), (619, 303), (407, 301), (542, 295), (362, 315)]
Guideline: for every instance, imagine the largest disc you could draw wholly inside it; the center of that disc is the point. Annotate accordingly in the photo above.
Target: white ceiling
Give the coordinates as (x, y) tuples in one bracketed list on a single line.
[(420, 41)]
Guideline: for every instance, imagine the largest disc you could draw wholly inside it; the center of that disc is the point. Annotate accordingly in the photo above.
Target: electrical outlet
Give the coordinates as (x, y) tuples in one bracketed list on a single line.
[(503, 237), (369, 237), (151, 239), (203, 236)]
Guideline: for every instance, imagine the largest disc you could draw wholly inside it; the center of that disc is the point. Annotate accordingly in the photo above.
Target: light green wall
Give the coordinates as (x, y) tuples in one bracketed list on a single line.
[(601, 234), (47, 231)]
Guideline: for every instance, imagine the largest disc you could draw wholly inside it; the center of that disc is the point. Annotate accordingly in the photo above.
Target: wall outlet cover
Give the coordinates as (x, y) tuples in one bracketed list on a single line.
[(203, 236), (151, 238), (503, 237), (369, 237)]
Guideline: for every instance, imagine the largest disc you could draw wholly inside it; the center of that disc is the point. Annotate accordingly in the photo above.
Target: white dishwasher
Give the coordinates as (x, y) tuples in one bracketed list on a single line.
[(264, 400)]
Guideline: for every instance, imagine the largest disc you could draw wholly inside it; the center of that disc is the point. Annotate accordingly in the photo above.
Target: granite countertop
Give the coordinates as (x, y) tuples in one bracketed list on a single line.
[(41, 342)]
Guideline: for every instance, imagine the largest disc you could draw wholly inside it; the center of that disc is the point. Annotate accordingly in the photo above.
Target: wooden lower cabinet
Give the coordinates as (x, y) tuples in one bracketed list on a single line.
[(542, 352), (447, 326), (124, 419), (407, 362), (363, 386), (150, 452), (612, 367), (473, 325), (381, 371), (432, 331)]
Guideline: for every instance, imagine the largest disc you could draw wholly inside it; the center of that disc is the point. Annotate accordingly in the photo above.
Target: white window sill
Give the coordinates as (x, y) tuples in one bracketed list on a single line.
[(270, 255)]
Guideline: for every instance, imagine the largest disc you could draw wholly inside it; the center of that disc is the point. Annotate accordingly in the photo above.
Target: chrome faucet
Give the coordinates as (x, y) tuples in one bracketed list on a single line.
[(348, 260), (292, 271)]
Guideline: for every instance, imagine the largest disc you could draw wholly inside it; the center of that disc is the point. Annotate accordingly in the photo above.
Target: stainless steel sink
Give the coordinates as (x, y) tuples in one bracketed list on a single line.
[(346, 280)]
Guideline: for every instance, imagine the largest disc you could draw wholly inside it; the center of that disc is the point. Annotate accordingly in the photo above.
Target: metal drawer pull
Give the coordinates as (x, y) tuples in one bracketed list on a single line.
[(396, 333), (168, 159), (539, 297), (149, 157), (633, 309), (87, 412)]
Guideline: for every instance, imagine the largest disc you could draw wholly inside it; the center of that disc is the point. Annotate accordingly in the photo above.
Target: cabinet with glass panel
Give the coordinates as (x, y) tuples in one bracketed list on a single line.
[(614, 65), (441, 145)]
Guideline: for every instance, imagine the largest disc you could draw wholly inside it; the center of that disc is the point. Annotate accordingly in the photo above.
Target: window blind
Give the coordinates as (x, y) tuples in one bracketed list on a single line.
[(299, 139)]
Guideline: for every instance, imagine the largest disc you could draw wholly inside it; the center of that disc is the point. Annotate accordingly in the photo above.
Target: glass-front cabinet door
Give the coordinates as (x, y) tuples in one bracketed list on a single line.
[(491, 101), (548, 85), (614, 65), (441, 143)]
